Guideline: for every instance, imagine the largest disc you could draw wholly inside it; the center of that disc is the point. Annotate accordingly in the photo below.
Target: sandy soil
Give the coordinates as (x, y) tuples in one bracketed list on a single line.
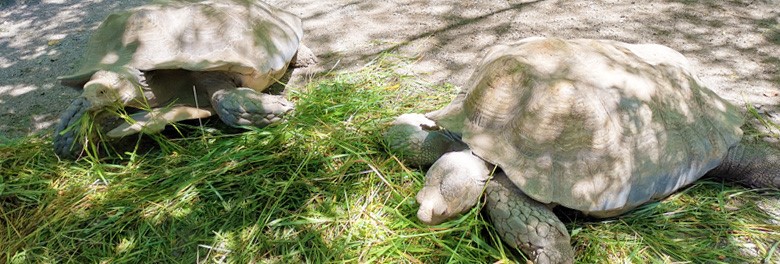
[(735, 44)]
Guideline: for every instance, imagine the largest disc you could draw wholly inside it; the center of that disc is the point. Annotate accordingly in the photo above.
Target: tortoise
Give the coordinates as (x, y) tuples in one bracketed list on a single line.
[(597, 126), (178, 60)]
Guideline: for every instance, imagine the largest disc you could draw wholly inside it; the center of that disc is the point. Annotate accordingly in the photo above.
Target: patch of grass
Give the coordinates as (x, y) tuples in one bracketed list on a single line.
[(705, 223), (319, 188)]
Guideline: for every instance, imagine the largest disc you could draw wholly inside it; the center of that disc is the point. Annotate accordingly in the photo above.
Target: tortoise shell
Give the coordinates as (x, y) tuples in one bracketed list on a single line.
[(594, 125), (247, 37)]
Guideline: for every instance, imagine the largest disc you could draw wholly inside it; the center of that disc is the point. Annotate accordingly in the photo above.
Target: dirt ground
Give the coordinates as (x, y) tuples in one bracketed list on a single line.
[(735, 44)]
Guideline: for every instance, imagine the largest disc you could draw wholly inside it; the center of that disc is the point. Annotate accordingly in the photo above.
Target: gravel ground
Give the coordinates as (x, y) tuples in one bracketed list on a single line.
[(735, 44)]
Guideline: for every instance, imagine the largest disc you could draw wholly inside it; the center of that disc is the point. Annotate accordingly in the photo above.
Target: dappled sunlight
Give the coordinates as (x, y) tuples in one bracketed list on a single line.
[(110, 58), (178, 206), (317, 188), (40, 41), (367, 214), (734, 44), (126, 245), (596, 126), (727, 41), (218, 251), (16, 90)]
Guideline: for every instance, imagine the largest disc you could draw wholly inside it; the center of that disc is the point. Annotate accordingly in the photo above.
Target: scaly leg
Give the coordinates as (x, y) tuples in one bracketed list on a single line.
[(753, 164), (526, 224)]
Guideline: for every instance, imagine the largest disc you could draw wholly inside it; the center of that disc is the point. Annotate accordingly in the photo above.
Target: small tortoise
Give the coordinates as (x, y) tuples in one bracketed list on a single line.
[(178, 60), (597, 126)]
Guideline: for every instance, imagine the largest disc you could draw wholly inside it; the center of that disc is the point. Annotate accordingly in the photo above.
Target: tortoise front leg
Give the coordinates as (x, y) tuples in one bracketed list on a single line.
[(526, 224), (246, 107), (68, 141), (79, 128), (240, 106)]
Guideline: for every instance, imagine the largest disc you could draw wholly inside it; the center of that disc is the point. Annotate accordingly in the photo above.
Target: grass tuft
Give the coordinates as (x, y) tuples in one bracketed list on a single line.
[(319, 188)]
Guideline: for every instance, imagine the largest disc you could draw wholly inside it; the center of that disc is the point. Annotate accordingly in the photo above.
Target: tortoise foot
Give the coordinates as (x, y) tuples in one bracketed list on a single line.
[(246, 107)]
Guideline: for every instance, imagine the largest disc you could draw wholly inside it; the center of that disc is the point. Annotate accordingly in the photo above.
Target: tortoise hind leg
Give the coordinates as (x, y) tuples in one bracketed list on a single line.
[(753, 164), (304, 57), (526, 224)]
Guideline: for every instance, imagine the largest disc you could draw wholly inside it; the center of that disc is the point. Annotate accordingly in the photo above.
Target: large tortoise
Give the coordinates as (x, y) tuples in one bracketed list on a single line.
[(177, 60), (593, 125)]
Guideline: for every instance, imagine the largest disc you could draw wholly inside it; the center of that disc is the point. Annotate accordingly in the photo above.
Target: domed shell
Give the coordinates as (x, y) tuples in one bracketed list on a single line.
[(247, 37), (594, 125)]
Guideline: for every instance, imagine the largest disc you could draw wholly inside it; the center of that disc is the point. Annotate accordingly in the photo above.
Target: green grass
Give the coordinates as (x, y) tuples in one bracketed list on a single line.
[(319, 188)]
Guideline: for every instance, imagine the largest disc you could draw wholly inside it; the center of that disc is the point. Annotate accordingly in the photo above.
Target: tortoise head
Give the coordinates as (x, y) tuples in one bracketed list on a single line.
[(453, 185), (107, 87)]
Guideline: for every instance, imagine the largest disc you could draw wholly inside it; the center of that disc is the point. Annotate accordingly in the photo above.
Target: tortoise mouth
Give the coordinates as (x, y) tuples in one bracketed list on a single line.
[(431, 215), (121, 88)]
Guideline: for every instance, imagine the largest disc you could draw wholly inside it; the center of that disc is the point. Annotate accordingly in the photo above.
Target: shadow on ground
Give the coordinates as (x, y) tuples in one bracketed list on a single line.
[(40, 40), (735, 44)]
